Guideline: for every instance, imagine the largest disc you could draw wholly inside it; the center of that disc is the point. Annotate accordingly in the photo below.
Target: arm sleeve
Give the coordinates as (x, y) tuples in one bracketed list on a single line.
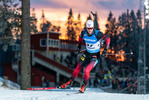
[(82, 34), (80, 39), (99, 35), (107, 41)]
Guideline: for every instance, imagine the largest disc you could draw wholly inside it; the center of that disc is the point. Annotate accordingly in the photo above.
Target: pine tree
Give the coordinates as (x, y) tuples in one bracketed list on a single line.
[(111, 31), (9, 22), (55, 28), (134, 39), (10, 19), (124, 29), (71, 33), (129, 30), (45, 25), (125, 32), (78, 25), (33, 22)]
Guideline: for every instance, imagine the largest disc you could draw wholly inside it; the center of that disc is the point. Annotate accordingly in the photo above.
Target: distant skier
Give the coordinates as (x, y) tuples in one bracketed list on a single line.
[(93, 39)]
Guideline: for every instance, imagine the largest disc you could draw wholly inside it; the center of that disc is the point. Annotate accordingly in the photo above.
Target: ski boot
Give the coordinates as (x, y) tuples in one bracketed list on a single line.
[(82, 90), (67, 85)]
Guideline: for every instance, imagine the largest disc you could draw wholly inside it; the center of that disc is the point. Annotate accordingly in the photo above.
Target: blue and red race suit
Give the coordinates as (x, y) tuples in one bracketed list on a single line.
[(89, 57)]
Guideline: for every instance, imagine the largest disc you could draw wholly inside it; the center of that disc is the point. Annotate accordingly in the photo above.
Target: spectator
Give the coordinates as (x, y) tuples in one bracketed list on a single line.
[(61, 58), (96, 82), (47, 83), (54, 57), (57, 59), (67, 61)]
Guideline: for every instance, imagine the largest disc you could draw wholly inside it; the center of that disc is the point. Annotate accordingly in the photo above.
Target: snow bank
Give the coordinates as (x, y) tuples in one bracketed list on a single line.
[(10, 85)]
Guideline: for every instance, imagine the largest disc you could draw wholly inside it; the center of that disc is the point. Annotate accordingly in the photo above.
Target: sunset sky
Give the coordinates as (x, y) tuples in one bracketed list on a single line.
[(56, 11)]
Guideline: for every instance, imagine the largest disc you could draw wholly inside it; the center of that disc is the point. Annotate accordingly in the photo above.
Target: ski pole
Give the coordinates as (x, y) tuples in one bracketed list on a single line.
[(82, 50), (92, 13), (131, 53)]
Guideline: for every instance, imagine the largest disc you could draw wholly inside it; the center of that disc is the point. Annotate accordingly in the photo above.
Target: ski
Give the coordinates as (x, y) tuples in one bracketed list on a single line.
[(74, 93), (45, 88)]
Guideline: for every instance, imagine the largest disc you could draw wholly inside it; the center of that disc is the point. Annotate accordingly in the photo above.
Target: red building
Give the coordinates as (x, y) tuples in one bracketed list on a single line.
[(52, 60)]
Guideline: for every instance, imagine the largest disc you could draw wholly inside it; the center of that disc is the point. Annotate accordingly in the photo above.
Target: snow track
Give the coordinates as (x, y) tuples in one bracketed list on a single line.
[(61, 94)]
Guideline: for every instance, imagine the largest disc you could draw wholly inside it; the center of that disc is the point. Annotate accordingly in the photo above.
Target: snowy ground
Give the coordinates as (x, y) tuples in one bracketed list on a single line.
[(90, 94), (59, 94)]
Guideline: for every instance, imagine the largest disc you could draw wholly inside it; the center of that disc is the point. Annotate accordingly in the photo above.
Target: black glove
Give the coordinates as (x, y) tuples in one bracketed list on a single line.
[(78, 51), (98, 55), (104, 53)]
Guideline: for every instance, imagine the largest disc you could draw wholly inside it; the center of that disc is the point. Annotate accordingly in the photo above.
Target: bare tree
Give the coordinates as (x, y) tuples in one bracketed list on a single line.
[(25, 46)]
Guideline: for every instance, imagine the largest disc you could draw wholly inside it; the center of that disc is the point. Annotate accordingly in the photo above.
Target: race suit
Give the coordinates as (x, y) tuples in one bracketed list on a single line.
[(90, 57)]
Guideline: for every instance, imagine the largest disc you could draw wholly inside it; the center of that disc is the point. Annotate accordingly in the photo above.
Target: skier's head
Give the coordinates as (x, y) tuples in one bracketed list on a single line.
[(89, 27)]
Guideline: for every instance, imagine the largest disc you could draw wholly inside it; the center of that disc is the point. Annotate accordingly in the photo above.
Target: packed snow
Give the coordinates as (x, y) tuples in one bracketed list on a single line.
[(11, 93), (90, 94)]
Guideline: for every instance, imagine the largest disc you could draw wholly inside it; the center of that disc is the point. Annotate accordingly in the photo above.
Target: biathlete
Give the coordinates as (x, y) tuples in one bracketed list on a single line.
[(90, 57)]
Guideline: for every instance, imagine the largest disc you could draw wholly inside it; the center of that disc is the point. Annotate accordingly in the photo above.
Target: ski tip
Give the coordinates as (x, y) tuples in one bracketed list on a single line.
[(73, 93), (59, 87)]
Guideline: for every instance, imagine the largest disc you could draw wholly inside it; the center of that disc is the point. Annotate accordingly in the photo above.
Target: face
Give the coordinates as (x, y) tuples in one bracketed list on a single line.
[(89, 30)]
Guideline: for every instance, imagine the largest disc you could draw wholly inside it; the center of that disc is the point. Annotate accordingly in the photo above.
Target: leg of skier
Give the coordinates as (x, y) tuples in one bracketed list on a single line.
[(89, 67), (74, 75), (83, 61)]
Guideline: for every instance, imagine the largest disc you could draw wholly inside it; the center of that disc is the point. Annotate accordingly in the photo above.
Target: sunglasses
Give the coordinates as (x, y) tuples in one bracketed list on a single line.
[(89, 28)]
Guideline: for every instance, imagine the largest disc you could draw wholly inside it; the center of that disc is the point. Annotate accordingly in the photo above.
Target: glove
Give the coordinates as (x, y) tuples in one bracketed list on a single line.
[(98, 55), (99, 58), (77, 51), (104, 53)]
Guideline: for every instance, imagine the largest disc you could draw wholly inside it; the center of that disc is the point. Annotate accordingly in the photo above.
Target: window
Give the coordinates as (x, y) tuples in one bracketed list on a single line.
[(57, 43), (43, 42), (53, 43)]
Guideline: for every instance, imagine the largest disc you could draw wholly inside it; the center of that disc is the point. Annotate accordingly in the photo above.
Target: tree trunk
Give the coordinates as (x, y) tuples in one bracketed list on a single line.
[(25, 46)]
